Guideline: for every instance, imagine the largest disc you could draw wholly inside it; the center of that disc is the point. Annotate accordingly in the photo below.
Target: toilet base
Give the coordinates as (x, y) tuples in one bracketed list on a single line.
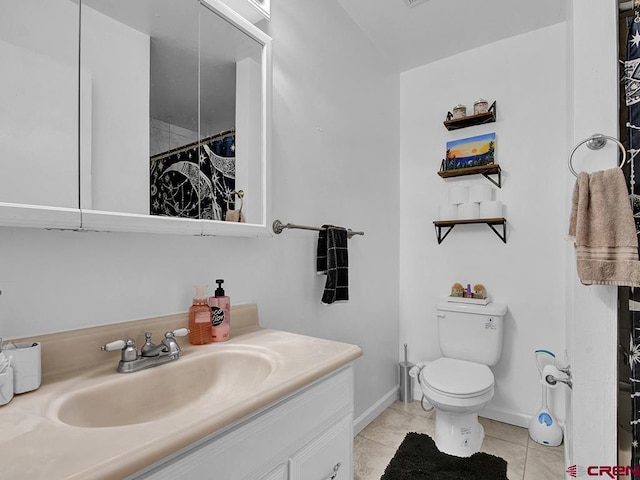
[(459, 435)]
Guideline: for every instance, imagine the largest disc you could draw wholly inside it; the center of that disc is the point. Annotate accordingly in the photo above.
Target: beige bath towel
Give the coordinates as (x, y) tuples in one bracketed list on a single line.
[(604, 231)]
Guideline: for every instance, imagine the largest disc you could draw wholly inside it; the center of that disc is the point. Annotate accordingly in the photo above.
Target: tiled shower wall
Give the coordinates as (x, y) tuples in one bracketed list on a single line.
[(165, 136)]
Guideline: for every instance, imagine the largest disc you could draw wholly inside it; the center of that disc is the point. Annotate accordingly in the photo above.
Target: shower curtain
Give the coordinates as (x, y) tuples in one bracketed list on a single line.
[(630, 137), (194, 181)]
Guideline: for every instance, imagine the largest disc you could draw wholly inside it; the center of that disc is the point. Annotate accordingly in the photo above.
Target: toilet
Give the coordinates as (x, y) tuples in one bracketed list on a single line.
[(460, 383)]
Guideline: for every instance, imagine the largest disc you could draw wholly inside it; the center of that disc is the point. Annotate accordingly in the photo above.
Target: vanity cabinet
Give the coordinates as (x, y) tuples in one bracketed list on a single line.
[(307, 435)]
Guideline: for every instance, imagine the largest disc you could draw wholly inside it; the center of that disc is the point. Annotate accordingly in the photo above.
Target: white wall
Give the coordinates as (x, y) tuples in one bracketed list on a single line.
[(335, 160), (526, 75), (117, 58), (591, 311)]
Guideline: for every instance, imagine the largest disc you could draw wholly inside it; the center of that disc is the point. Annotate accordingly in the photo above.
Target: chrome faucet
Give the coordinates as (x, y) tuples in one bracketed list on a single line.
[(150, 355)]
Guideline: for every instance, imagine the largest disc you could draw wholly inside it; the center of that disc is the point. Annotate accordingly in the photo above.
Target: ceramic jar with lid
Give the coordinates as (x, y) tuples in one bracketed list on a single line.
[(459, 111), (480, 106)]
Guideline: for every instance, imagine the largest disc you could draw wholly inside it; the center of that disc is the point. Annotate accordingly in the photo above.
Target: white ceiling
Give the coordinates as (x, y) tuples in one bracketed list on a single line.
[(410, 37)]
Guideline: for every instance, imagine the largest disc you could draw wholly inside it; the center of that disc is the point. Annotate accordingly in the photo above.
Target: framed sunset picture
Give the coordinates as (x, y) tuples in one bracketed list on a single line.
[(470, 152)]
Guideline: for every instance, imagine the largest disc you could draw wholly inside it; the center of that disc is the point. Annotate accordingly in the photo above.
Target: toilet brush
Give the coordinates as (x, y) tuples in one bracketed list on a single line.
[(543, 427)]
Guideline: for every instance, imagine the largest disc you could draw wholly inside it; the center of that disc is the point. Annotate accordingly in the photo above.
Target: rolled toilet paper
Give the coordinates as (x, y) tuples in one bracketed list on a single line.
[(551, 371), (468, 211), (480, 192), (458, 195), (491, 209), (447, 212)]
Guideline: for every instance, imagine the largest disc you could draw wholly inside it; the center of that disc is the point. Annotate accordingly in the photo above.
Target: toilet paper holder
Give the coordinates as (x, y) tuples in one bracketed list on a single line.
[(553, 379)]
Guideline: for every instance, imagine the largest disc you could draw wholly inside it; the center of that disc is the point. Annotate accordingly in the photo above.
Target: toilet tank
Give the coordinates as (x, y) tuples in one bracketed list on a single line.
[(471, 332)]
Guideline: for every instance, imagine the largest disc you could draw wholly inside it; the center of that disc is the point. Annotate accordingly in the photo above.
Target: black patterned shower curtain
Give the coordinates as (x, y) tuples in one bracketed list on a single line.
[(194, 181), (630, 137)]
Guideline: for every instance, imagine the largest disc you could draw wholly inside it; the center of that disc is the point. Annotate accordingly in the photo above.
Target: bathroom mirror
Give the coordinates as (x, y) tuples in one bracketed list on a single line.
[(39, 113), (172, 116), (98, 96)]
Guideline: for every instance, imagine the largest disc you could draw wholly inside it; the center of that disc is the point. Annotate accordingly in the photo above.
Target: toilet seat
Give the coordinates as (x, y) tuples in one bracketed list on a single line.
[(458, 378)]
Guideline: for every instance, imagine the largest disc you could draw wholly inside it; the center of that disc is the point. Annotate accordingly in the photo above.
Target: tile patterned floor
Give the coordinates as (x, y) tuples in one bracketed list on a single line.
[(526, 460)]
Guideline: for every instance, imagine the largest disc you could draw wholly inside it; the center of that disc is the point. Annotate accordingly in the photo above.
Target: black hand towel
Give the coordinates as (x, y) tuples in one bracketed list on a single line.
[(333, 259)]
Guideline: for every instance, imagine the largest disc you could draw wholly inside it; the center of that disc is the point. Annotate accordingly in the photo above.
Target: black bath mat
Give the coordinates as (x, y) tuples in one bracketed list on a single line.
[(418, 458)]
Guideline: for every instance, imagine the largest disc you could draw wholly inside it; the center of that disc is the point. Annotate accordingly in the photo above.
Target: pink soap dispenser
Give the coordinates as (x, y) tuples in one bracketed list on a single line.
[(220, 314)]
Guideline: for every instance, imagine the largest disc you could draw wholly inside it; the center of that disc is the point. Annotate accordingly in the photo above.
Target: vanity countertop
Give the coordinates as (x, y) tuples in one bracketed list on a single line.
[(35, 444)]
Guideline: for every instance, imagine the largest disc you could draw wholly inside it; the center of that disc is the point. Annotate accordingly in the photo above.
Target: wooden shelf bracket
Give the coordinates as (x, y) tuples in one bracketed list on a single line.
[(485, 171), (491, 222)]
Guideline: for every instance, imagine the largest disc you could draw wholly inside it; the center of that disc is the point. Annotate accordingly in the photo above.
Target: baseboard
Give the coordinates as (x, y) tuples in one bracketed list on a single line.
[(376, 409), (512, 418)]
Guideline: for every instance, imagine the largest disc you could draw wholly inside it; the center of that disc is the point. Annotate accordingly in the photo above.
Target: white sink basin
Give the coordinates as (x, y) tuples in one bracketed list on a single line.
[(156, 393)]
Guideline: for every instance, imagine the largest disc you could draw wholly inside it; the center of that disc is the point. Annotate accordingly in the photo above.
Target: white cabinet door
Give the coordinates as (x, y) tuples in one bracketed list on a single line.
[(328, 457)]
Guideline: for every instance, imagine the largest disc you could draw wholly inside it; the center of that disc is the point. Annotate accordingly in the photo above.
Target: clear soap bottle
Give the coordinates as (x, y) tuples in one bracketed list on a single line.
[(199, 319), (220, 314)]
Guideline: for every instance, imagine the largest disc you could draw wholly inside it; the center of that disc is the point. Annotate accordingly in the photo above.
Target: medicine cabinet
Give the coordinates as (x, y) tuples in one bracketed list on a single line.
[(252, 10), (138, 116)]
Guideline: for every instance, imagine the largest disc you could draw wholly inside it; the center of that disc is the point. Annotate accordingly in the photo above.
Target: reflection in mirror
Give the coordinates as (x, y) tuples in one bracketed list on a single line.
[(173, 97), (230, 102), (195, 178), (39, 103), (122, 44)]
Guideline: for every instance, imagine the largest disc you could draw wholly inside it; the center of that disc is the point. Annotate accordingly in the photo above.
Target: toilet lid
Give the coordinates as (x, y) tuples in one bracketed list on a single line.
[(458, 377)]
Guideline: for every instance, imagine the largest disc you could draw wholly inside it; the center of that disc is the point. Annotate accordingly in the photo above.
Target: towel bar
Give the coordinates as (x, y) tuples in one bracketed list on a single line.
[(278, 227), (596, 142)]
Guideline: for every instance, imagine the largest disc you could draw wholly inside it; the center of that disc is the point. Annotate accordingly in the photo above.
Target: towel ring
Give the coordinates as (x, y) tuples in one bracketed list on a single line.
[(596, 142)]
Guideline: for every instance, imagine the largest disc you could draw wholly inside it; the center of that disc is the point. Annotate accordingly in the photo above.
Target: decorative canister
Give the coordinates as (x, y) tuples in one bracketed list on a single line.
[(459, 111), (480, 106)]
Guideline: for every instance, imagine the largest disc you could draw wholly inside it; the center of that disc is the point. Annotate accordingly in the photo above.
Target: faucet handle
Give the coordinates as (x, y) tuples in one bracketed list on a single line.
[(180, 332), (128, 349), (116, 345), (172, 347)]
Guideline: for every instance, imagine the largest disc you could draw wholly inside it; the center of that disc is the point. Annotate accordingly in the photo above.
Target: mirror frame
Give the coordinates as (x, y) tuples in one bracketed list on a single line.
[(20, 215)]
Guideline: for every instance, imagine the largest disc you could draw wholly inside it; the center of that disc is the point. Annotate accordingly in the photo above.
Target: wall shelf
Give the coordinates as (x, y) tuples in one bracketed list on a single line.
[(455, 123), (485, 171), (491, 222)]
